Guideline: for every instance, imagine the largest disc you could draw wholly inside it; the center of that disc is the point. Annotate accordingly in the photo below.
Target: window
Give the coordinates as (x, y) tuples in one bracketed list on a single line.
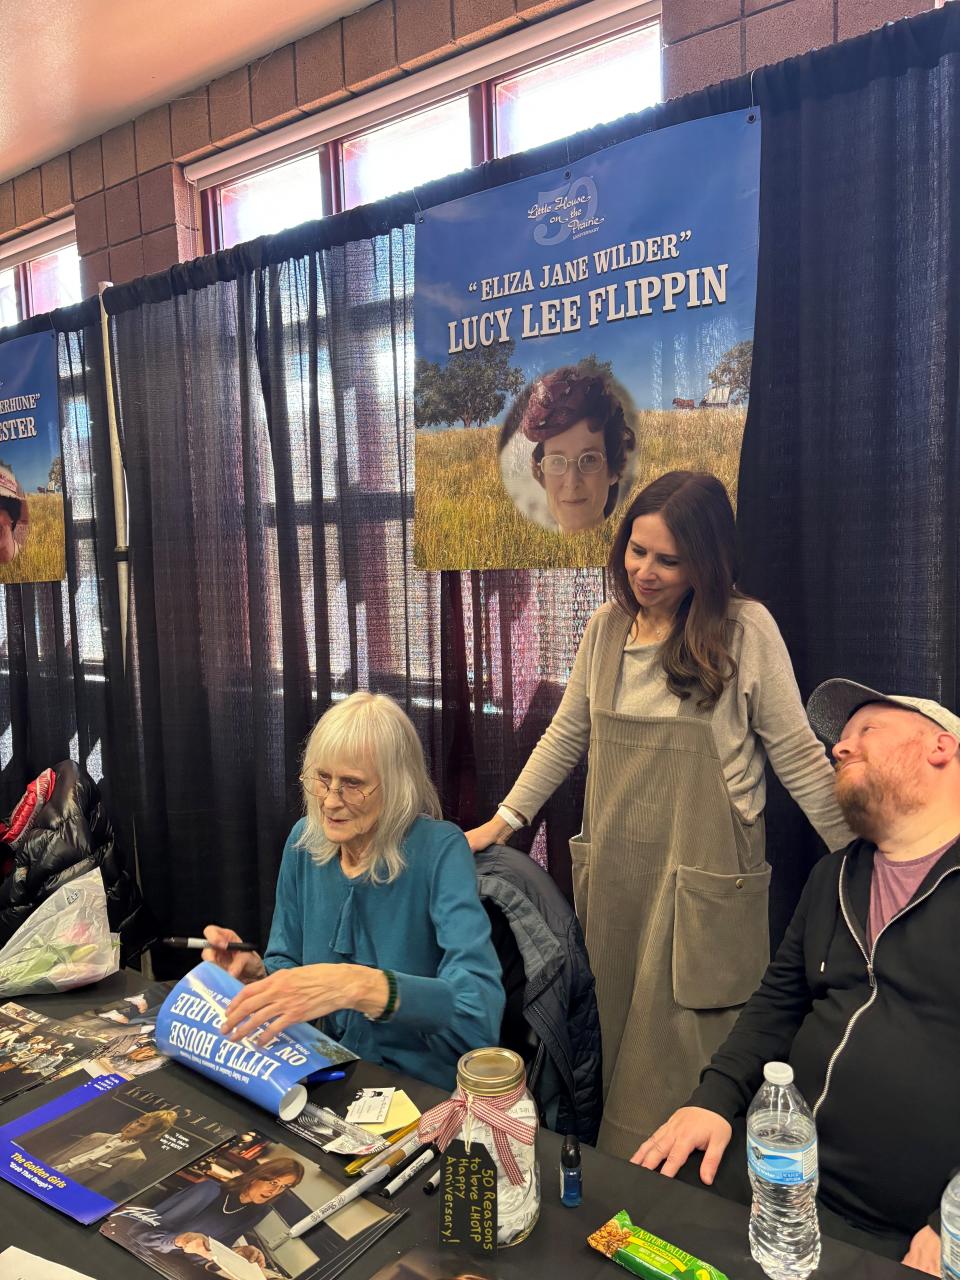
[(563, 96), (280, 197), (54, 280), (531, 87), (39, 272), (9, 313), (407, 153)]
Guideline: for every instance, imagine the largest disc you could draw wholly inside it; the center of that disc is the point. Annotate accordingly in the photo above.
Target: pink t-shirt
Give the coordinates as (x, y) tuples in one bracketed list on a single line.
[(894, 884)]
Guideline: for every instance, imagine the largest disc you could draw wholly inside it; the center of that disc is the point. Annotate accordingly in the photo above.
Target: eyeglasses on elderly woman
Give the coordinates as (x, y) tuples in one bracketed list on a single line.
[(351, 793)]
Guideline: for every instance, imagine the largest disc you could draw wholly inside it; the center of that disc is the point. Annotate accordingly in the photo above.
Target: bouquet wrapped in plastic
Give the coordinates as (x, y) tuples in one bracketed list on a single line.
[(65, 943)]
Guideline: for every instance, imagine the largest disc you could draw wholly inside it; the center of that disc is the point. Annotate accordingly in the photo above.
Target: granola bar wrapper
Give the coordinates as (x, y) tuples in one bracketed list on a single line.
[(644, 1254)]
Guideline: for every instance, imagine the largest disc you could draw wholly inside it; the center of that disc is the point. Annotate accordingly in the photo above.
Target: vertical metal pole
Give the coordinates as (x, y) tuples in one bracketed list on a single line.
[(119, 479)]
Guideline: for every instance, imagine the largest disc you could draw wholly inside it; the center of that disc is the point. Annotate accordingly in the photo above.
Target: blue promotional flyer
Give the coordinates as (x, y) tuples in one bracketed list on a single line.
[(32, 544), (91, 1149), (579, 333), (274, 1077)]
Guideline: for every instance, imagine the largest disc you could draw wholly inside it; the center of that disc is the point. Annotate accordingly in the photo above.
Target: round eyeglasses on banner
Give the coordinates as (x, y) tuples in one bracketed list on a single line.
[(588, 464)]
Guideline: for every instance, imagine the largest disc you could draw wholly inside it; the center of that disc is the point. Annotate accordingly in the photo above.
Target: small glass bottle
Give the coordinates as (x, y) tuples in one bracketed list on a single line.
[(491, 1074), (571, 1172)]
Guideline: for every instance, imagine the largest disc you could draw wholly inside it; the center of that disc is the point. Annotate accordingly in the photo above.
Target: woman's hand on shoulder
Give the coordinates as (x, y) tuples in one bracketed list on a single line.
[(493, 832), (310, 991), (246, 966)]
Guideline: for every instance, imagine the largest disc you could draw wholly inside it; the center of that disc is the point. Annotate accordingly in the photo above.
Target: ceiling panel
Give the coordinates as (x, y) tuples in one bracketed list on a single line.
[(74, 69)]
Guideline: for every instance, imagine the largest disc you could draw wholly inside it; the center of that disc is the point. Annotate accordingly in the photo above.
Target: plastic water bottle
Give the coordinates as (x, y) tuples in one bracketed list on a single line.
[(950, 1231), (782, 1161)]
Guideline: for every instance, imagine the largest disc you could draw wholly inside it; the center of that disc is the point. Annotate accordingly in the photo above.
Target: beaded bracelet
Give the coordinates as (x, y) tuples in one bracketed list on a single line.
[(390, 1006)]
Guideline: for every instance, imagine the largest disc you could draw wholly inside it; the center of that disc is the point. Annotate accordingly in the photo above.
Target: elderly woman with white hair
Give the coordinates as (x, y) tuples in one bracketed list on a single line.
[(378, 927)]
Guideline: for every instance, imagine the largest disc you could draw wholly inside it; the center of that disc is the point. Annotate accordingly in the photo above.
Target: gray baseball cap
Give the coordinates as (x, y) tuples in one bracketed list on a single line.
[(832, 704)]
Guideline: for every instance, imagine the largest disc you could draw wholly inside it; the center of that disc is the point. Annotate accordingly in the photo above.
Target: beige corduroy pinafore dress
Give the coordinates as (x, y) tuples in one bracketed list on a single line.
[(671, 888)]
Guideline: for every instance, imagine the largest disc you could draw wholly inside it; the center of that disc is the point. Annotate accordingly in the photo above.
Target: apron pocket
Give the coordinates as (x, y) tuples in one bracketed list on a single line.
[(580, 863), (721, 937)]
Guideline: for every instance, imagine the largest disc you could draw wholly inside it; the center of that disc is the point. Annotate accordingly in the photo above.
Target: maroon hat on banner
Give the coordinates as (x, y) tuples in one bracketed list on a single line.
[(560, 399), (10, 489)]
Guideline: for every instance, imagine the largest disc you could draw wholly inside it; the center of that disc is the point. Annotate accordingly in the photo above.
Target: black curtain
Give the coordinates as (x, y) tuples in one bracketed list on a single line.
[(849, 476), (265, 395), (61, 691)]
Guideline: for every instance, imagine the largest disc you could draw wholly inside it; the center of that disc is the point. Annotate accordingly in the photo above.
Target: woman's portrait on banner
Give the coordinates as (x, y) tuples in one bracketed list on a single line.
[(568, 448)]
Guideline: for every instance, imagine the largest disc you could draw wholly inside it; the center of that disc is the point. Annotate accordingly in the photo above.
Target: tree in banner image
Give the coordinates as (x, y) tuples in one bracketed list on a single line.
[(730, 377), (55, 474), (471, 388)]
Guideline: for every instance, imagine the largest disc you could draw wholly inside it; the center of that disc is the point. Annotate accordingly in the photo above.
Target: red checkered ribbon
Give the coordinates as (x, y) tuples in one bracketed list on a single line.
[(442, 1123)]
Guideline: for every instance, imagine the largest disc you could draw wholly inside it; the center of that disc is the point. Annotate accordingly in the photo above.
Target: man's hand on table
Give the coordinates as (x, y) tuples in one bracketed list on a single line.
[(924, 1252), (689, 1129)]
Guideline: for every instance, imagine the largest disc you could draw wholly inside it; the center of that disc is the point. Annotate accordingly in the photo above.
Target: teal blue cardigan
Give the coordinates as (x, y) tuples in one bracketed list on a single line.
[(427, 925)]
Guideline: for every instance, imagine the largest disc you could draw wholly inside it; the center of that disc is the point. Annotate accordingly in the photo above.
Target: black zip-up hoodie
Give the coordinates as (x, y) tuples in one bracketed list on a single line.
[(873, 1039)]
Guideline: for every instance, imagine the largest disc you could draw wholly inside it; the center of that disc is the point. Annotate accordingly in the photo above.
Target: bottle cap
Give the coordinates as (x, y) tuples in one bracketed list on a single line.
[(778, 1073), (570, 1152)]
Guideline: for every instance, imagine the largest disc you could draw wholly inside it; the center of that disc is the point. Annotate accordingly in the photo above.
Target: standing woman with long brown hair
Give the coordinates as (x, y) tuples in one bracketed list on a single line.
[(682, 689)]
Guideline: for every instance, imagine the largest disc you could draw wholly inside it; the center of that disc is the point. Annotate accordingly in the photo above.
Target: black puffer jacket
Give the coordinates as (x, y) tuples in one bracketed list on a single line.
[(549, 986), (70, 835)]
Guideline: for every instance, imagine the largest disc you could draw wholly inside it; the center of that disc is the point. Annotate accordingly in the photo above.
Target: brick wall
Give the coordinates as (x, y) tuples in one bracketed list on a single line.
[(136, 214), (706, 41)]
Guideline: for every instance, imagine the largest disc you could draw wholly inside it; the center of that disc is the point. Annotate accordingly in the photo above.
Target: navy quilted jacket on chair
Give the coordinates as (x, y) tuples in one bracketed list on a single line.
[(557, 988)]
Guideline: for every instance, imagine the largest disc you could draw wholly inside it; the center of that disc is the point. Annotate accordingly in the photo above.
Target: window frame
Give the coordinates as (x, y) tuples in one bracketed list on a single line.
[(17, 255), (474, 72)]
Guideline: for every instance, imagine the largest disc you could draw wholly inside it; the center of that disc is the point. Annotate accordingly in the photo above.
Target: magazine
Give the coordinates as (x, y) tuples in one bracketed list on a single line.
[(91, 1148), (230, 1214), (33, 1048), (122, 1035), (137, 1011), (129, 1056), (274, 1076)]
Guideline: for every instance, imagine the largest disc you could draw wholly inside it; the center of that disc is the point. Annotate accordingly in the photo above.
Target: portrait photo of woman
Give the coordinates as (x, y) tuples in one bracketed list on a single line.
[(567, 448)]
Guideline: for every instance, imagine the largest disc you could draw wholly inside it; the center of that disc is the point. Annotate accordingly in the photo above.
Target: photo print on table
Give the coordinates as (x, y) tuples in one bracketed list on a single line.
[(229, 1214)]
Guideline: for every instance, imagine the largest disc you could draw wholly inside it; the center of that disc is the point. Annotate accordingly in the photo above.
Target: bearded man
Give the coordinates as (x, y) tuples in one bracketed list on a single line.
[(863, 995)]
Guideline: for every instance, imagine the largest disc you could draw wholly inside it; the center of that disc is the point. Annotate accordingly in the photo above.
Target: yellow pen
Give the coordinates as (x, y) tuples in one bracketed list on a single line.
[(355, 1166)]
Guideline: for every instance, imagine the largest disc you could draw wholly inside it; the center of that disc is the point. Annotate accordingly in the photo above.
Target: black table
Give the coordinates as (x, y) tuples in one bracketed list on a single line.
[(702, 1223)]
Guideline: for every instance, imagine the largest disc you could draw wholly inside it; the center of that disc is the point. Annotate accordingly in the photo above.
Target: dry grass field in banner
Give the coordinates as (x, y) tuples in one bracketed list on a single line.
[(43, 558), (465, 519)]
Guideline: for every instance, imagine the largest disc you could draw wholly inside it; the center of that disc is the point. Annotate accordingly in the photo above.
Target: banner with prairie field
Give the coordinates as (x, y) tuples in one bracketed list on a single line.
[(32, 541), (579, 333)]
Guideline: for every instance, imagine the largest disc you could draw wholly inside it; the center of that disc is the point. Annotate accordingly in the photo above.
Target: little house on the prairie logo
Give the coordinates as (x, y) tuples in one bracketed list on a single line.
[(567, 211)]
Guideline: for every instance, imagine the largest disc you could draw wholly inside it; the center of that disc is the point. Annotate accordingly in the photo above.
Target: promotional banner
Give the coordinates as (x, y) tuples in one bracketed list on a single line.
[(578, 334), (188, 1029), (32, 547)]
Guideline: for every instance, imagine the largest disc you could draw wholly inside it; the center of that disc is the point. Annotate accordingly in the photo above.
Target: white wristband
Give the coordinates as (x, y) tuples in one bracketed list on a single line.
[(510, 818)]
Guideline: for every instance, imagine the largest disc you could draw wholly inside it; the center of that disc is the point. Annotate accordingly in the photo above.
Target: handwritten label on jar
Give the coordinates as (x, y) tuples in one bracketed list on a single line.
[(468, 1199)]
